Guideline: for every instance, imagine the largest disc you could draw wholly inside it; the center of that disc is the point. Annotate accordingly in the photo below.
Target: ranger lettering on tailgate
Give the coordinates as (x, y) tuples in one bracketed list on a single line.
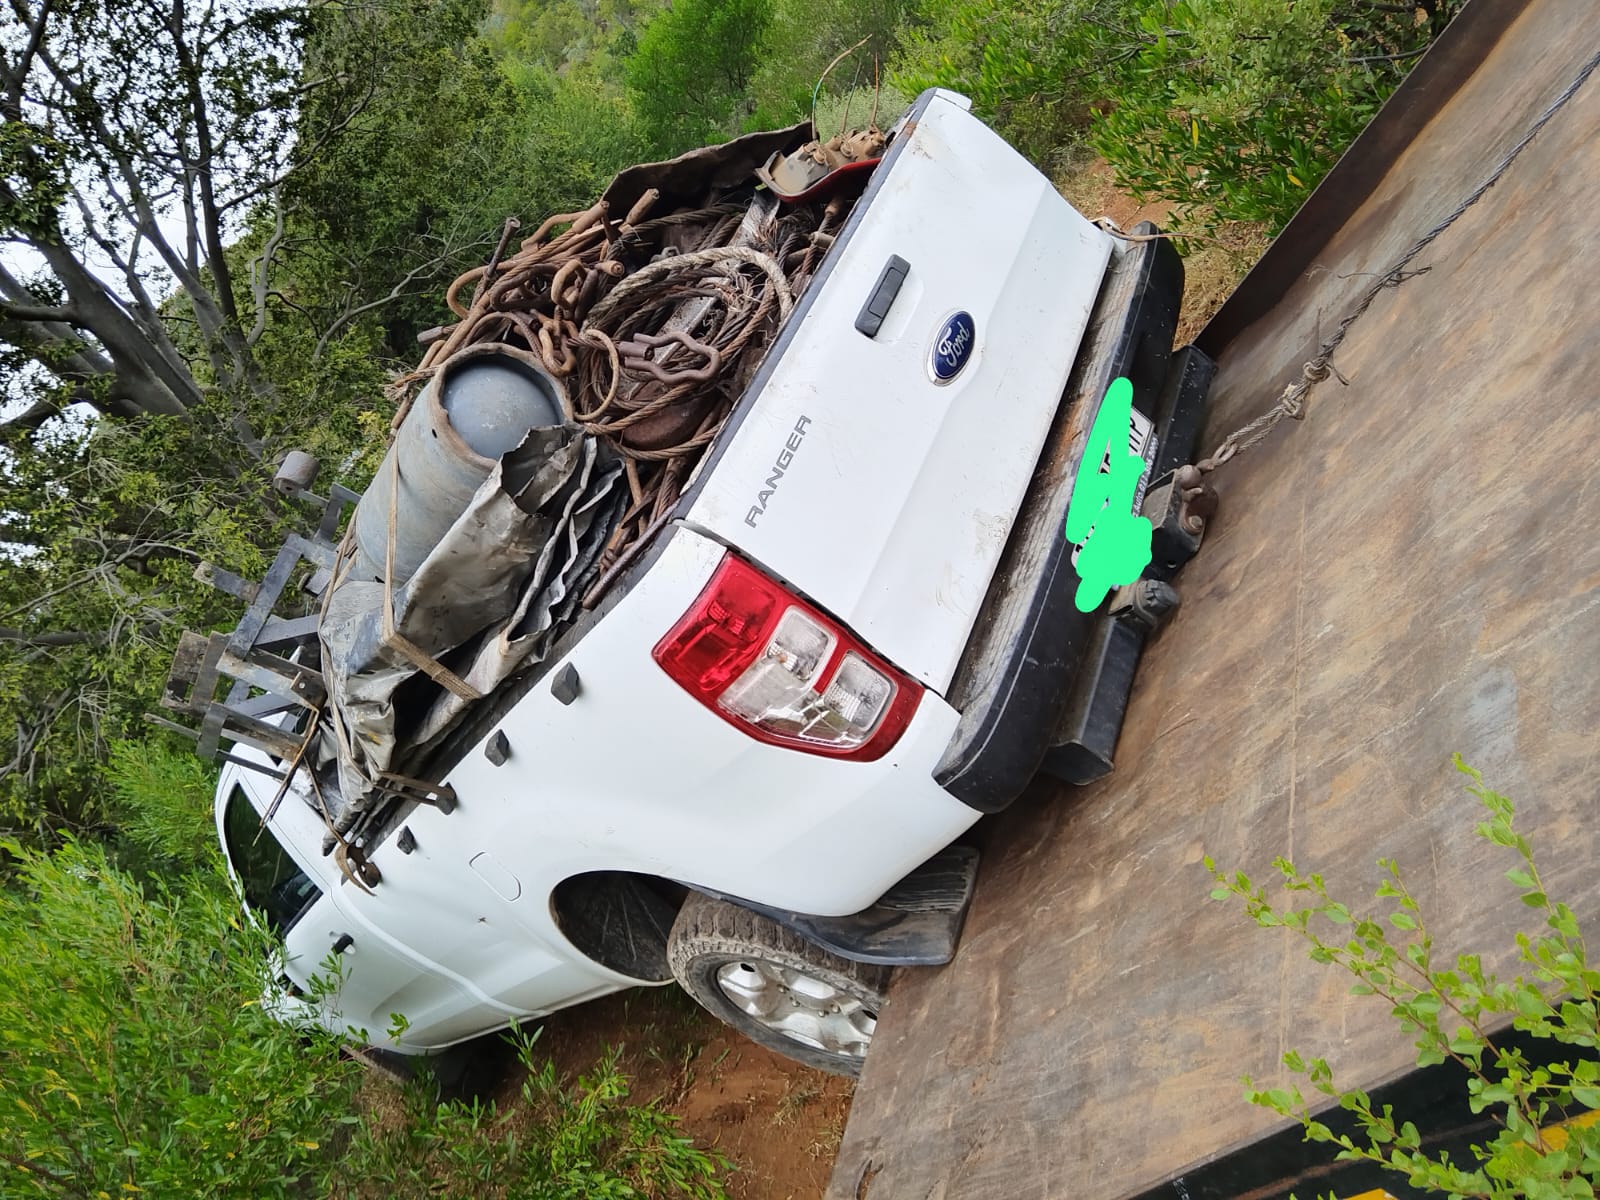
[(785, 457)]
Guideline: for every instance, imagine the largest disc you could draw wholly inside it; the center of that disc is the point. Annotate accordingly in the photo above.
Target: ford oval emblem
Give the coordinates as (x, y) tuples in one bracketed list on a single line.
[(952, 347)]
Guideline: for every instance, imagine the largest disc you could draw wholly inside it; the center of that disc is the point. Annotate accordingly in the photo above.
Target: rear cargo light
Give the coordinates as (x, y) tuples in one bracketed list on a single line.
[(766, 661)]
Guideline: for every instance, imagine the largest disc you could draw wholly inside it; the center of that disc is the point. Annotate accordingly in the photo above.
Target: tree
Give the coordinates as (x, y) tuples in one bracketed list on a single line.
[(143, 139), (692, 69), (186, 286), (140, 134), (805, 36), (106, 526), (416, 186)]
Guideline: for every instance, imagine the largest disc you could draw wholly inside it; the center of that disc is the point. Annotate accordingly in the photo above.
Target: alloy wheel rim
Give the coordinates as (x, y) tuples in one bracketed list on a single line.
[(798, 1006)]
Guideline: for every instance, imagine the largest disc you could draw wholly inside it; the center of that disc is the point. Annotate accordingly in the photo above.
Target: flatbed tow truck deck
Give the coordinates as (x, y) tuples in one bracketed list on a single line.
[(1409, 572)]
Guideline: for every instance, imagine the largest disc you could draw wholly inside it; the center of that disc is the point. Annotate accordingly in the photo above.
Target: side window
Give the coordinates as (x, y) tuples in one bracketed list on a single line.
[(273, 885)]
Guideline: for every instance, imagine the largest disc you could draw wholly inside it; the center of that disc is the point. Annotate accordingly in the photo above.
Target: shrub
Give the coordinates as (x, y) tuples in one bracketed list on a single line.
[(1454, 1010), (1243, 106), (1231, 109), (689, 78), (134, 1054), (163, 802), (1032, 68), (135, 1057), (803, 38), (582, 1143)]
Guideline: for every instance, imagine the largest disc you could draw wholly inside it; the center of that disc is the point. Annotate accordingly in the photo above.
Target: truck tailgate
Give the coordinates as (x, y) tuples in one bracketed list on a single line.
[(883, 493)]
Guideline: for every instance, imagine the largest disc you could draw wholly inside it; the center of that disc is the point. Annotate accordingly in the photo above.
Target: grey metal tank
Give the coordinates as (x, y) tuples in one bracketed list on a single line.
[(479, 407)]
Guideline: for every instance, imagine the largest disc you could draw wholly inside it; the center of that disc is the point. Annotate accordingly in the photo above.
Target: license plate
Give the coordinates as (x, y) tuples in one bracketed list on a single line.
[(1141, 442)]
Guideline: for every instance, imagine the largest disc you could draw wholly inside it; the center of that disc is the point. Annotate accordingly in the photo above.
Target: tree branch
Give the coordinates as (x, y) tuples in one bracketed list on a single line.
[(137, 208), (64, 314), (306, 150), (75, 637), (1404, 54), (127, 263), (66, 354), (162, 388), (17, 82), (35, 415), (395, 293), (145, 311), (28, 740), (16, 77), (260, 273), (14, 290)]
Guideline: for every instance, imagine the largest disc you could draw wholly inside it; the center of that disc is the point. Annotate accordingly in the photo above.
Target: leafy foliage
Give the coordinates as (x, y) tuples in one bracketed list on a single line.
[(133, 1051), (565, 37), (106, 528), (1244, 106), (566, 1144), (802, 39), (1231, 109), (415, 186), (1032, 67), (689, 77), (1452, 1009), (135, 1056), (106, 517), (163, 796)]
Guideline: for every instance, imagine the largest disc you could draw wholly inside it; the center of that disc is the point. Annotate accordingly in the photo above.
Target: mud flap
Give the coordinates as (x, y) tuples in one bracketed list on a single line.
[(916, 923)]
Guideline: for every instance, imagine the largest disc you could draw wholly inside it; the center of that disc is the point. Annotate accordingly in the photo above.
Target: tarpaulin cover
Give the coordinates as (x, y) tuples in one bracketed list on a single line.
[(488, 598)]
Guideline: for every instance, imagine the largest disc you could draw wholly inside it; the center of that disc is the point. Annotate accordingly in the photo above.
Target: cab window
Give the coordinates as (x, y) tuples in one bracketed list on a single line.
[(274, 887)]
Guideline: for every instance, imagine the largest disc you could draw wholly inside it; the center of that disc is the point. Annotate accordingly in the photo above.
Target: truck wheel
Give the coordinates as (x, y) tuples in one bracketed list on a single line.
[(775, 987)]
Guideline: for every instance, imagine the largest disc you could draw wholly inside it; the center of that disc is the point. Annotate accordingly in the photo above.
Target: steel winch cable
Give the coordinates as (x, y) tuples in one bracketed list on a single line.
[(1291, 403)]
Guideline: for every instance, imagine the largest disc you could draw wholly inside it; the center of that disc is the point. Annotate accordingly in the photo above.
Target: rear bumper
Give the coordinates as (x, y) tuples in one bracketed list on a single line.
[(1035, 668)]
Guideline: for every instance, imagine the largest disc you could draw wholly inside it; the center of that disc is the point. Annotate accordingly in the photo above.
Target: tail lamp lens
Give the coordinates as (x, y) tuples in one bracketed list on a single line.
[(772, 665)]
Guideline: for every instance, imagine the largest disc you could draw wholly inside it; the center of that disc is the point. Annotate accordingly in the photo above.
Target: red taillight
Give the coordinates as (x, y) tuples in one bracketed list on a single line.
[(772, 665)]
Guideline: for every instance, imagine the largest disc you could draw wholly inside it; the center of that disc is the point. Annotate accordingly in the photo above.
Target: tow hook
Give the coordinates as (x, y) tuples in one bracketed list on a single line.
[(1178, 508), (1147, 602)]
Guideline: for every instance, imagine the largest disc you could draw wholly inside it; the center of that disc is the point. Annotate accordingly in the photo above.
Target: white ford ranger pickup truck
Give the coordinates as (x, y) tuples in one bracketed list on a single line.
[(748, 767)]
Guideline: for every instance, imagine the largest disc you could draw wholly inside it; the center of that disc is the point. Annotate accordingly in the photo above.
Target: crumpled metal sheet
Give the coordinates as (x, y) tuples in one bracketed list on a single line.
[(511, 561), (565, 568), (686, 181)]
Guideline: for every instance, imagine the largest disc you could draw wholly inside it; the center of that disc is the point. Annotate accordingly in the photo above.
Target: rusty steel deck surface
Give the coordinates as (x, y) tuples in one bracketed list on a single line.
[(1412, 571)]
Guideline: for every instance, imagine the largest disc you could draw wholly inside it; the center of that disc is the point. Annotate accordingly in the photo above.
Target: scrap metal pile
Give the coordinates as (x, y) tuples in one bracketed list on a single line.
[(540, 444), (656, 305)]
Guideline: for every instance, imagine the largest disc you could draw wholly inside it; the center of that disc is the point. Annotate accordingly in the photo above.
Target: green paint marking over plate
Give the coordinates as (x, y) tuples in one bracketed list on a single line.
[(1114, 545)]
